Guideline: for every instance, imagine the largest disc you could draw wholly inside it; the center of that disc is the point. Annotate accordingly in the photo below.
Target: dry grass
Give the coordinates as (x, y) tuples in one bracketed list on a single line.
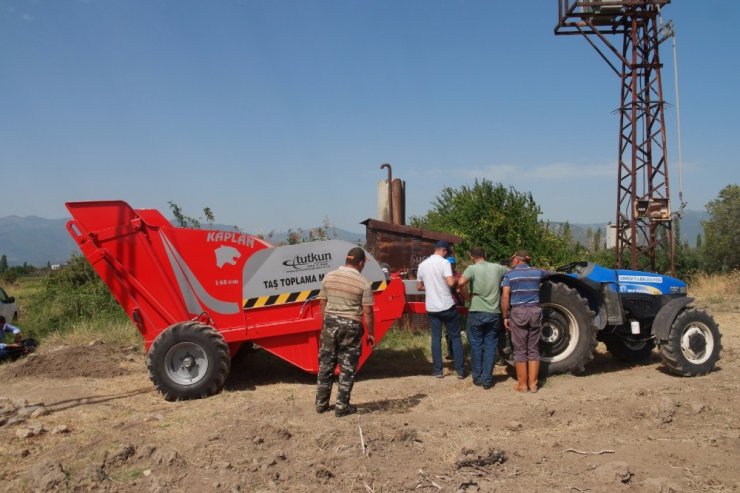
[(23, 287), (716, 288), (400, 339), (118, 333)]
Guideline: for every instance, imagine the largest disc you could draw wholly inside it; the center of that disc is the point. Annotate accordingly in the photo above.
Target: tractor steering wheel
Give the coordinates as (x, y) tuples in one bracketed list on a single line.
[(571, 268)]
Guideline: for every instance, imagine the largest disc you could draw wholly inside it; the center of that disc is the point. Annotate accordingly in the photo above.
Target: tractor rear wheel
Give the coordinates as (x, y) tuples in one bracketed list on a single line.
[(568, 329), (627, 349), (693, 345), (188, 360)]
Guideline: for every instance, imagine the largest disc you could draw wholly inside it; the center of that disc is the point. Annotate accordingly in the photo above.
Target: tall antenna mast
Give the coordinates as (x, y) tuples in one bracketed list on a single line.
[(643, 220)]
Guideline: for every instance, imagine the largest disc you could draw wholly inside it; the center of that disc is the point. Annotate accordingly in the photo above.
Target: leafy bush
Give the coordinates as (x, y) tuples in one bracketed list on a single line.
[(68, 296), (12, 274), (721, 248), (499, 219)]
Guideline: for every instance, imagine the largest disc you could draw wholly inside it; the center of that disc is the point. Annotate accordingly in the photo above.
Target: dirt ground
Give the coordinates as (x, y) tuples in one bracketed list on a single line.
[(86, 418)]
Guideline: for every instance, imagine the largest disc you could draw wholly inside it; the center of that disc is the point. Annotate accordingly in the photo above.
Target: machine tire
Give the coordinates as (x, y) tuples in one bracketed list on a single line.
[(627, 349), (569, 329), (189, 360), (693, 345)]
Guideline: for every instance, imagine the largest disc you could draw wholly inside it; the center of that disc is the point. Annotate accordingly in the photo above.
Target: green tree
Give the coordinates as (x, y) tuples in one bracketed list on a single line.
[(721, 249), (181, 219), (3, 264), (295, 237), (329, 230), (605, 257), (191, 222), (208, 213), (597, 240), (10, 275), (499, 219), (566, 232), (686, 259)]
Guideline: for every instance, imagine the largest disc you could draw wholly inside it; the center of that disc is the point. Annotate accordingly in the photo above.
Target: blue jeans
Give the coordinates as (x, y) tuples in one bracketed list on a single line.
[(483, 330), (451, 319)]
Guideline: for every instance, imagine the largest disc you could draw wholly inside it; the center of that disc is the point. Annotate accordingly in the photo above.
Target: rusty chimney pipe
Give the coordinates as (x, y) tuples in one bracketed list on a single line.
[(390, 190)]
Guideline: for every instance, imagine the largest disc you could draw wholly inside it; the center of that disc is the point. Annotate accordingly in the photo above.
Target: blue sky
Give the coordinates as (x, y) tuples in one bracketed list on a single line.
[(278, 114)]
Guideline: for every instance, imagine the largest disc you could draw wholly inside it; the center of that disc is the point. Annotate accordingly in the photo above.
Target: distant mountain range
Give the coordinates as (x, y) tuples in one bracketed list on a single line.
[(35, 240), (690, 227), (38, 241)]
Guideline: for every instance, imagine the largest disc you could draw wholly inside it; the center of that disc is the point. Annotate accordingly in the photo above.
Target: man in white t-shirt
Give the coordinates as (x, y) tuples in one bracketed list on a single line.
[(435, 278)]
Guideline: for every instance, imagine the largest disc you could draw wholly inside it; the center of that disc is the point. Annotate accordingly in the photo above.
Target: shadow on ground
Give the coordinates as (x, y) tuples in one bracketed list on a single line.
[(392, 405), (392, 363), (255, 367), (600, 364), (250, 368), (606, 363)]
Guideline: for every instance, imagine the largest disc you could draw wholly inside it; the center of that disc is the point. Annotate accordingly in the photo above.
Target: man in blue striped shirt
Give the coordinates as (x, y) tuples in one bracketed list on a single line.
[(520, 307)]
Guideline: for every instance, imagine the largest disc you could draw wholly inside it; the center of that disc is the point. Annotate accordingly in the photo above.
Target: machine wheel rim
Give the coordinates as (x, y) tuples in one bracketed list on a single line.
[(560, 333), (697, 343), (186, 363)]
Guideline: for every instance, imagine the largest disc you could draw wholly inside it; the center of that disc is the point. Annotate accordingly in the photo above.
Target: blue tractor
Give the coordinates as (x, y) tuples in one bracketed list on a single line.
[(631, 312)]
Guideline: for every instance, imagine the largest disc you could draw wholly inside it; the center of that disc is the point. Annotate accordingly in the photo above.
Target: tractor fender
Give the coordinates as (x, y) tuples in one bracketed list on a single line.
[(665, 317), (594, 298)]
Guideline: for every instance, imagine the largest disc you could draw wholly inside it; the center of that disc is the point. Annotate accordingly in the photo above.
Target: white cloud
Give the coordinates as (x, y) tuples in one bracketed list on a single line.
[(566, 171), (493, 172), (549, 172)]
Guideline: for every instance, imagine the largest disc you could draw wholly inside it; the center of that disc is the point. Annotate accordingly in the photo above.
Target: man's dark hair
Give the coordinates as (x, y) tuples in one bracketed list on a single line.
[(355, 256), (477, 252), (2, 322)]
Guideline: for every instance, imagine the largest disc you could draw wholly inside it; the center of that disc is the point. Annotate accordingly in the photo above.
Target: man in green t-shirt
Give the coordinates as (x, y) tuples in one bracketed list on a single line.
[(481, 283)]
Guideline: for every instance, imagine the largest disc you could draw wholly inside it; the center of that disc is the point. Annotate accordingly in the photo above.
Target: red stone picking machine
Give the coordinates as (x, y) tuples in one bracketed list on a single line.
[(198, 295)]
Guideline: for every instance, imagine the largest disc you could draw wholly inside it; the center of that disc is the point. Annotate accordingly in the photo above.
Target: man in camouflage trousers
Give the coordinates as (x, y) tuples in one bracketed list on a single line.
[(345, 296)]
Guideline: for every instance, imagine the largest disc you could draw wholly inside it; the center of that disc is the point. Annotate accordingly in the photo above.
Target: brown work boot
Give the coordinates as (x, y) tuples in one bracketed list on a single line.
[(533, 370), (521, 376)]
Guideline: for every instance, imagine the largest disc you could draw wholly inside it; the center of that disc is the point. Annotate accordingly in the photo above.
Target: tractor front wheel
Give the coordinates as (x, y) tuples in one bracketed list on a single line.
[(189, 360), (693, 344)]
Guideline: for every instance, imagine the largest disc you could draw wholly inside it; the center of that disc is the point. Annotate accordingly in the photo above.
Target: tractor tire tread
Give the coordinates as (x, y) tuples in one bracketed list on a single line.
[(589, 331)]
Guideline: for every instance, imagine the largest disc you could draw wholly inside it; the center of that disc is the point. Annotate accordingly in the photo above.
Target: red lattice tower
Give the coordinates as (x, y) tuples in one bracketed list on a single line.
[(644, 220)]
